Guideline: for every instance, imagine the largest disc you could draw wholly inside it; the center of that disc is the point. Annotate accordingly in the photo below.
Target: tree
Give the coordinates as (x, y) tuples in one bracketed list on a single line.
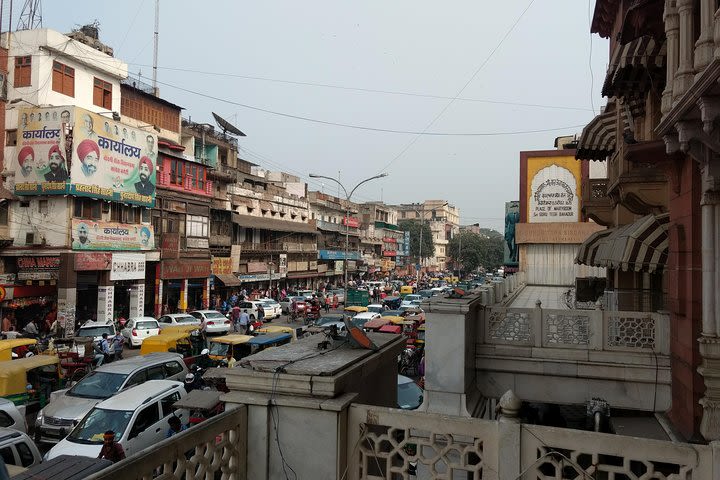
[(414, 226), (478, 250)]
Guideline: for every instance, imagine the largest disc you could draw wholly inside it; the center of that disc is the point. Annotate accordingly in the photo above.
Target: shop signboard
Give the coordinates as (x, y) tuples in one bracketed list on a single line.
[(38, 268), (351, 222), (137, 301), (389, 253), (99, 235), (7, 278), (197, 242), (106, 300), (282, 263), (322, 268), (257, 267), (110, 160), (352, 265), (127, 266), (183, 269), (92, 261), (259, 277), (313, 265), (338, 266), (389, 240), (337, 255), (222, 266)]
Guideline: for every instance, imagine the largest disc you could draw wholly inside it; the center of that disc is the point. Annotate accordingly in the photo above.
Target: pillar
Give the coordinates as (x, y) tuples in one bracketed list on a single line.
[(206, 294), (137, 300), (158, 294), (67, 294), (106, 298), (685, 74), (705, 45), (182, 303)]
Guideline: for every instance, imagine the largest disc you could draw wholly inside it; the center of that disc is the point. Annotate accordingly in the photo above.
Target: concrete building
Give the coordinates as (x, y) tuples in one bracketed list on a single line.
[(380, 232), (444, 221)]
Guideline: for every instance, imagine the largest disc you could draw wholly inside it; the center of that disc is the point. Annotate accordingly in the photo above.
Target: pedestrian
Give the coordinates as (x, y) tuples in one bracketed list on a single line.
[(118, 341), (176, 426), (111, 450), (326, 303), (105, 348), (335, 300), (261, 313), (6, 323), (235, 315), (243, 323), (31, 329)]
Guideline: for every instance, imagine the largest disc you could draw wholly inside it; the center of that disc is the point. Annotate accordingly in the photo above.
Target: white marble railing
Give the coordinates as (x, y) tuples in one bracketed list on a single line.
[(577, 329), (389, 443), (215, 448)]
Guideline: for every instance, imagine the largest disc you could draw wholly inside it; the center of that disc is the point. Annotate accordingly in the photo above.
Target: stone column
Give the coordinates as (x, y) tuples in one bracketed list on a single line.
[(671, 32), (685, 74), (105, 299), (705, 45)]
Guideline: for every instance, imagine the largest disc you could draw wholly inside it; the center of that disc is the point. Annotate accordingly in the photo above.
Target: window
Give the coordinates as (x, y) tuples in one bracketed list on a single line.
[(176, 172), (43, 206), (4, 215), (197, 226), (6, 420), (102, 93), (145, 215), (156, 372), (63, 79), (137, 379), (172, 368), (7, 455), (88, 208), (23, 66), (26, 456), (167, 403), (145, 418), (11, 137), (124, 213)]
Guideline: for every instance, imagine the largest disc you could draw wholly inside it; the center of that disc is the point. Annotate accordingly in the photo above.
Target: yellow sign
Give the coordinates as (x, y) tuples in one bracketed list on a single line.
[(553, 189)]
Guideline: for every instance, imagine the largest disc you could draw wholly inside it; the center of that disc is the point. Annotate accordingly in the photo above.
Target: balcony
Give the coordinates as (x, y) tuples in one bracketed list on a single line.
[(596, 204), (188, 184), (637, 178)]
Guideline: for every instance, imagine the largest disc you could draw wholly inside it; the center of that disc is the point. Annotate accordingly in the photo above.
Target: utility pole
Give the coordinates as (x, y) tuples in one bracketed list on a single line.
[(155, 46)]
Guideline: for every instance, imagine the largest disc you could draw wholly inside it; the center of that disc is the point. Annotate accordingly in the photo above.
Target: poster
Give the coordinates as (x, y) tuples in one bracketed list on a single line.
[(553, 189), (512, 217), (106, 301), (69, 150), (99, 235)]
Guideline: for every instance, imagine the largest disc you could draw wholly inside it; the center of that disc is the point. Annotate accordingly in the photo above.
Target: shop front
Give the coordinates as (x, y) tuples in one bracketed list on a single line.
[(34, 292), (182, 285)]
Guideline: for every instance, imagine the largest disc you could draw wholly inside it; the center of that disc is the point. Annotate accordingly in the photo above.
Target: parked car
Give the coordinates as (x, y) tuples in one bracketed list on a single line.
[(138, 416), (272, 308), (138, 329), (361, 319), (409, 393), (212, 321), (251, 307), (286, 302), (10, 416), (410, 298), (375, 307), (95, 329), (17, 448), (308, 294), (68, 406), (175, 319)]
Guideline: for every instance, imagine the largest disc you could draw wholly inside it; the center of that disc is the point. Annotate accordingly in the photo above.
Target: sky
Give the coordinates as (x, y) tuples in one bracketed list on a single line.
[(462, 67)]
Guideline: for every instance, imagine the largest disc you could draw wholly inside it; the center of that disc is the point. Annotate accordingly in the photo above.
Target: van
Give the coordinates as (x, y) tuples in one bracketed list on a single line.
[(138, 416), (68, 406), (18, 449)]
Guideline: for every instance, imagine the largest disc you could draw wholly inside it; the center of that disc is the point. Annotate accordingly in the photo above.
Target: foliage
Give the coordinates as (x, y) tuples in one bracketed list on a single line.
[(413, 226), (485, 250)]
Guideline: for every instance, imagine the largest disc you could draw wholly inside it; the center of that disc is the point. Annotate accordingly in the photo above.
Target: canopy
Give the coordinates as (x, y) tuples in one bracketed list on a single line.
[(6, 346), (588, 250), (597, 140), (228, 280), (634, 67), (270, 338), (232, 339), (641, 246)]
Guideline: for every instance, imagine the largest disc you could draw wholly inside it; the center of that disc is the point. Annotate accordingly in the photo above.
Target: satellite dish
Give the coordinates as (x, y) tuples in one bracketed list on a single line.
[(357, 337), (227, 126)]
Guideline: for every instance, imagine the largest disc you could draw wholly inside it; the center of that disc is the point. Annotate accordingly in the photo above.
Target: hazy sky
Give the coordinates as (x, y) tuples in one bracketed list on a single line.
[(420, 50)]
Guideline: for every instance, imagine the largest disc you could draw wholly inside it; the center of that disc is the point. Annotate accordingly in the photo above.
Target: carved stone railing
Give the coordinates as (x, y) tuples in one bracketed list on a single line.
[(389, 443), (215, 448)]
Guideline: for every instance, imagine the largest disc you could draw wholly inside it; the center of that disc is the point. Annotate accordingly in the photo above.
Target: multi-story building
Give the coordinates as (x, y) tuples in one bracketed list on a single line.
[(444, 222), (84, 178), (330, 215), (381, 235)]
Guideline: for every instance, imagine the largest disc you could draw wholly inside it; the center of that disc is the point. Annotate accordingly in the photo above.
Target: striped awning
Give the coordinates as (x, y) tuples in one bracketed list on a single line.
[(635, 68), (587, 254), (641, 246), (597, 140)]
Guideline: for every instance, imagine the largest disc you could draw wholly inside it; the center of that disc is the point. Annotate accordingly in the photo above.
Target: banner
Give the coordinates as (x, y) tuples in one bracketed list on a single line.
[(99, 235), (108, 160), (127, 266), (106, 303)]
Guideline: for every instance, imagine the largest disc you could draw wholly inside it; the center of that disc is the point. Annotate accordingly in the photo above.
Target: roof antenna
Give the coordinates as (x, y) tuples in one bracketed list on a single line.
[(155, 47), (31, 15)]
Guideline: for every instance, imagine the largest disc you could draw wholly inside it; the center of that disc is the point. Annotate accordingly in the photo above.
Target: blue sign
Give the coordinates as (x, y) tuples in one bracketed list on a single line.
[(337, 255)]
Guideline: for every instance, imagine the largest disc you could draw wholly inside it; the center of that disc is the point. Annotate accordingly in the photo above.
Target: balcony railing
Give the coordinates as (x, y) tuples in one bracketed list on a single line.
[(165, 179), (634, 300)]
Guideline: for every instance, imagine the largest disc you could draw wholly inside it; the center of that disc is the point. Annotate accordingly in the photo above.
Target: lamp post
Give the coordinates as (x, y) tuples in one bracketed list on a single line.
[(347, 219)]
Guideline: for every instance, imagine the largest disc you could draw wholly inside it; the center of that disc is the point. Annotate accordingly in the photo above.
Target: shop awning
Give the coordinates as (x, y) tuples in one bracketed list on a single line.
[(641, 246), (249, 221), (588, 249), (634, 67), (228, 280), (597, 140)]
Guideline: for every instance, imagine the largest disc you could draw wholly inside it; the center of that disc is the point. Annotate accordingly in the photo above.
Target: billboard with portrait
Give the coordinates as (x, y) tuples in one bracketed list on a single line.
[(107, 159), (99, 235)]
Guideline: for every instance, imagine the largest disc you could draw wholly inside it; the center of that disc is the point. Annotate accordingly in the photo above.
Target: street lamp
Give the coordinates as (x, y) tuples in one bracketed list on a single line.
[(347, 218)]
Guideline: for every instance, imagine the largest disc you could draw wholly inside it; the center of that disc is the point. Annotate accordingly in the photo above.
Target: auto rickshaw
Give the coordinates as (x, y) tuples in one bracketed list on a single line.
[(28, 382), (235, 343), (420, 340), (375, 324), (7, 347), (390, 328), (268, 340), (202, 404), (180, 342), (395, 320), (190, 329), (295, 332), (393, 303), (410, 329), (406, 290), (355, 309)]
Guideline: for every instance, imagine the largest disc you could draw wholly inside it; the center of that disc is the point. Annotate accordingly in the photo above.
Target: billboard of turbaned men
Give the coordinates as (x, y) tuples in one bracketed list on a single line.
[(107, 159)]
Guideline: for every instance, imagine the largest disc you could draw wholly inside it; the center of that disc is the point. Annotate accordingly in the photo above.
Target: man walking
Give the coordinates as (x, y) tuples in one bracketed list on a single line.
[(243, 321), (118, 341)]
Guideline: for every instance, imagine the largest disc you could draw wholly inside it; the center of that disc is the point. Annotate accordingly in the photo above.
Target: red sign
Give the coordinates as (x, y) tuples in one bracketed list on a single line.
[(38, 263), (389, 253), (181, 269), (351, 222), (170, 245), (93, 261), (389, 240)]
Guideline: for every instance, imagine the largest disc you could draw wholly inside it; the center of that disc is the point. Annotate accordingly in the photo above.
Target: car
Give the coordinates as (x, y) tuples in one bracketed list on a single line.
[(408, 299), (308, 294), (375, 307), (411, 309), (175, 319), (426, 293), (409, 393), (10, 416), (68, 406), (391, 313), (286, 302), (138, 329), (95, 329), (327, 319), (138, 416), (18, 449), (362, 318), (212, 321), (251, 307), (272, 308)]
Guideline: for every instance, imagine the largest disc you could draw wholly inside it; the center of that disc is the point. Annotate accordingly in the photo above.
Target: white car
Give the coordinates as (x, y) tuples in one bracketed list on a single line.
[(272, 308), (251, 307), (212, 321), (95, 330), (409, 299), (138, 329), (362, 318), (375, 308), (138, 416), (175, 319)]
